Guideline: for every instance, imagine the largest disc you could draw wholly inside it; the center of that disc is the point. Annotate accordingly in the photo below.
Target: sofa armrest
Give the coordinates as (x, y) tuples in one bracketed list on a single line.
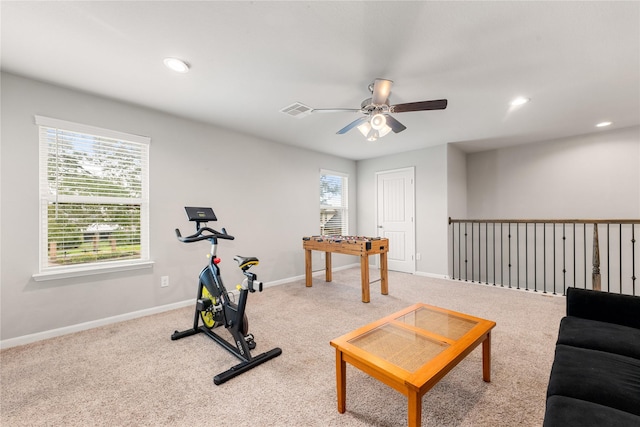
[(604, 306)]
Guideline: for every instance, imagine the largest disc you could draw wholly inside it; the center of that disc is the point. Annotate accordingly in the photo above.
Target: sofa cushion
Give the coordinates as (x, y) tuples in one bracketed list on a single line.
[(563, 411), (595, 335), (596, 376), (604, 306)]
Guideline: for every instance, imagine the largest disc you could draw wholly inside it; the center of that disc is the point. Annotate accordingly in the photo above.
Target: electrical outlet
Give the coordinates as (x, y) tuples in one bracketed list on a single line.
[(418, 256), (164, 281)]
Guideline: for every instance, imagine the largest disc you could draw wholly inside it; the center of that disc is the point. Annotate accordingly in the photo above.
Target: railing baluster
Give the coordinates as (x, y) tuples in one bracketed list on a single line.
[(564, 260), (466, 254), (620, 258), (486, 252), (472, 253), (494, 254), (554, 259), (584, 243), (501, 255), (509, 241), (535, 257), (544, 257), (453, 251), (574, 258), (595, 278), (633, 259), (526, 256), (518, 256), (608, 262), (459, 253)]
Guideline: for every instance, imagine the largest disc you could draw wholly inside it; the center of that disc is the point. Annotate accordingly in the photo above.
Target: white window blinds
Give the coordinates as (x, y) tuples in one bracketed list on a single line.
[(334, 218), (93, 195)]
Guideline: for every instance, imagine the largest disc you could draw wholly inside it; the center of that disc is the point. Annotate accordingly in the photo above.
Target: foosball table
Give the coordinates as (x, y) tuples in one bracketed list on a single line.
[(349, 245)]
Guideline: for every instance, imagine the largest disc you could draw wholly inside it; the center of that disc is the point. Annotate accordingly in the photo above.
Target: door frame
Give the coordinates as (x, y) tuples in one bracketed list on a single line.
[(411, 249)]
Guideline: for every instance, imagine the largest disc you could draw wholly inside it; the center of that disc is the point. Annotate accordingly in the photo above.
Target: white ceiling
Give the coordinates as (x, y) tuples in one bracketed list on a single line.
[(579, 62)]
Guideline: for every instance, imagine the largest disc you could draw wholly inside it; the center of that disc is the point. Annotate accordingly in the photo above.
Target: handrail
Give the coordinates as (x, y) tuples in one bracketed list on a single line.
[(540, 253), (548, 221)]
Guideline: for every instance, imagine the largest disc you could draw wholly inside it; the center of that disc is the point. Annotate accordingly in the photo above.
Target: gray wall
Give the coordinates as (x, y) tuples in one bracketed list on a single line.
[(593, 176), (431, 202), (590, 176), (250, 183), (456, 182)]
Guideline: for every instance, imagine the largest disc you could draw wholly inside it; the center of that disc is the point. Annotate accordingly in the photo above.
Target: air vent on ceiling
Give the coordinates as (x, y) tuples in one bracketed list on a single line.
[(297, 110)]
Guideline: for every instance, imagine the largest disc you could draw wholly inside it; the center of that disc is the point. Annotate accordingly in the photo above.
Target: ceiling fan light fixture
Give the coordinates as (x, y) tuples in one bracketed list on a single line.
[(385, 130), (177, 65), (365, 128), (378, 121), (371, 133), (368, 132)]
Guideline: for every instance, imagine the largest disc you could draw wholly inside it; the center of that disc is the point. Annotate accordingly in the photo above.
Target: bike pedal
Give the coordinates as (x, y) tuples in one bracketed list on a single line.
[(203, 304)]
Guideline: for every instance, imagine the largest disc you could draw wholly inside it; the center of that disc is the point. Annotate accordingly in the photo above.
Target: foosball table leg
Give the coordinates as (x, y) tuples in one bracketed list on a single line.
[(307, 268), (364, 274), (384, 282)]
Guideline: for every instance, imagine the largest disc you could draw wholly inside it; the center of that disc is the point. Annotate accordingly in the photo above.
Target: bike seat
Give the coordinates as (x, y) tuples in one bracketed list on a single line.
[(246, 262)]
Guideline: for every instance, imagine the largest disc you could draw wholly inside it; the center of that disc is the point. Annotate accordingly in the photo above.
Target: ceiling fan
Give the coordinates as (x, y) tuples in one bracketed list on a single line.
[(377, 120)]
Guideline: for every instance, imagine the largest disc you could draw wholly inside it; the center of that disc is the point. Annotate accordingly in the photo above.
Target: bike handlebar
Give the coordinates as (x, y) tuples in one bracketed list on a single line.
[(198, 236)]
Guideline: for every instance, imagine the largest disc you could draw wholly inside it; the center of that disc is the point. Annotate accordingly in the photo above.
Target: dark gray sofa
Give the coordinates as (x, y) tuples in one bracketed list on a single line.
[(595, 378)]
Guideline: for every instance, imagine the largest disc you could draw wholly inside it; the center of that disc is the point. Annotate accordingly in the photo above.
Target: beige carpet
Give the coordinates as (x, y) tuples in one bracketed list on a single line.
[(132, 374)]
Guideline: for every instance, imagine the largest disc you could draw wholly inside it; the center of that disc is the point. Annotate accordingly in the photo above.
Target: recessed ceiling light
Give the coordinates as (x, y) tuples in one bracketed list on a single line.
[(520, 101), (603, 124), (177, 65)]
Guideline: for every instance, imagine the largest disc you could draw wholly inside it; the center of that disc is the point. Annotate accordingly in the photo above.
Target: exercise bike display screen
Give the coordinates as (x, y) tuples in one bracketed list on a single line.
[(200, 214)]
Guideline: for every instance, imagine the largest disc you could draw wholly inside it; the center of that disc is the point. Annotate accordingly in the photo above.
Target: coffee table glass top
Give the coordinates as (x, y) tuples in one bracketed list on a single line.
[(446, 324), (410, 340)]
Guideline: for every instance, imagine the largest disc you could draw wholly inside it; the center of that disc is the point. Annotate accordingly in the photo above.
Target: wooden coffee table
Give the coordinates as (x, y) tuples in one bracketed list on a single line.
[(411, 350)]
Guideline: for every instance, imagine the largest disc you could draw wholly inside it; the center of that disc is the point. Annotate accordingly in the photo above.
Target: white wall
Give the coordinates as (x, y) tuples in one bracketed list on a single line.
[(592, 176), (431, 202), (249, 182)]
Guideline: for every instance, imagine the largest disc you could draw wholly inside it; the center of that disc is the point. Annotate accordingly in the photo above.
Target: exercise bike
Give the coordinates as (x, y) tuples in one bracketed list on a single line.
[(214, 305)]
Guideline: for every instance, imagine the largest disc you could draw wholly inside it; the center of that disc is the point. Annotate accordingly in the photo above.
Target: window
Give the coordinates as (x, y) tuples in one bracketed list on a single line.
[(334, 218), (93, 197)]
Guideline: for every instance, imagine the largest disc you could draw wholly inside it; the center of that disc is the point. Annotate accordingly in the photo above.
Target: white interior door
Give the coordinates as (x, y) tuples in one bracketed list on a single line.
[(395, 217)]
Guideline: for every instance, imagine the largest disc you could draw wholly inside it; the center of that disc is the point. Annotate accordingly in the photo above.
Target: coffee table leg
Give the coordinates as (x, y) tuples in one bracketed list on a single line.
[(341, 382), (415, 409), (486, 358)]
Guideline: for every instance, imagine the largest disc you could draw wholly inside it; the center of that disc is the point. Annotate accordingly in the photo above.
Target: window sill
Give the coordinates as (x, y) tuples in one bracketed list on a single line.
[(90, 270)]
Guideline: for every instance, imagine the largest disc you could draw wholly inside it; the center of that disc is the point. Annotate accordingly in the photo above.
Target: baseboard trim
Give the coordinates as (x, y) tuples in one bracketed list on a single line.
[(433, 275), (53, 333)]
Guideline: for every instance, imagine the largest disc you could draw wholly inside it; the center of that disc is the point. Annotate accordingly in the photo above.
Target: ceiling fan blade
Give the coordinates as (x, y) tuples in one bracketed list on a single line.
[(395, 125), (381, 91), (353, 124), (439, 104)]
